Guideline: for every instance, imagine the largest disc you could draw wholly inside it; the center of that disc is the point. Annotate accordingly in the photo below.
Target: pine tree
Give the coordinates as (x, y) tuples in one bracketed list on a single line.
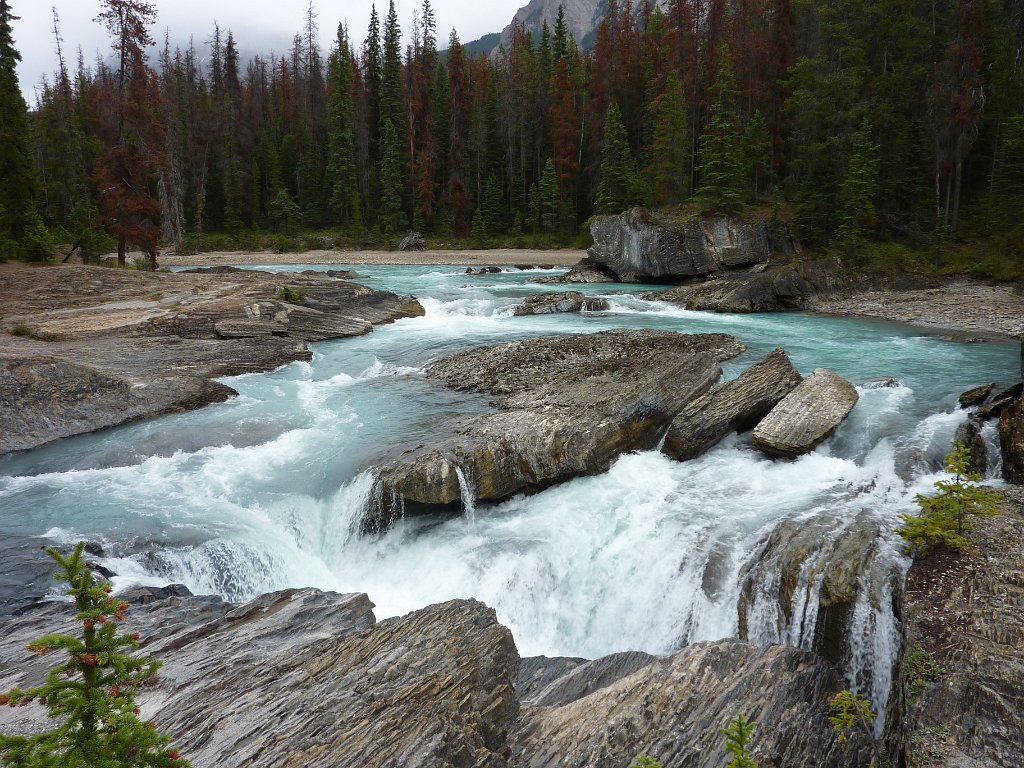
[(757, 154), (92, 693), (341, 162), (489, 217), (1008, 178), (669, 169), (19, 222), (548, 202), (722, 173), (738, 738), (615, 193), (391, 216), (859, 189)]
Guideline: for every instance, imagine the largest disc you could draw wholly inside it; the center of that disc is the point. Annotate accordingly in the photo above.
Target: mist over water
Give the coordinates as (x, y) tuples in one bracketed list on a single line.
[(267, 491)]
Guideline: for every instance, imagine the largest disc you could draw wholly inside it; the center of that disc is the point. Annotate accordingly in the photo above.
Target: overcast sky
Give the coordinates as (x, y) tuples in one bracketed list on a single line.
[(259, 26)]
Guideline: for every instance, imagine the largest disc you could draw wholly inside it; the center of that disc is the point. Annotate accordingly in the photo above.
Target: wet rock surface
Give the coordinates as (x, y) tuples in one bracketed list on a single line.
[(1011, 441), (806, 416), (567, 406), (90, 347), (962, 678), (556, 303), (586, 271), (735, 406), (976, 395), (969, 433)]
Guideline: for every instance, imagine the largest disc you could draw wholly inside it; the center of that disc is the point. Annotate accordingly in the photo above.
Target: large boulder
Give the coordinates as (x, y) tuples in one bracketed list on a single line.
[(969, 433), (976, 395), (568, 406), (807, 416), (674, 708), (586, 271), (775, 288), (735, 406), (553, 303), (642, 246)]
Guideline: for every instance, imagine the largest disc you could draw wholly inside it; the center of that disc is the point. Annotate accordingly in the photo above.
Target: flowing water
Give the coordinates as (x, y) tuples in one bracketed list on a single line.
[(266, 491)]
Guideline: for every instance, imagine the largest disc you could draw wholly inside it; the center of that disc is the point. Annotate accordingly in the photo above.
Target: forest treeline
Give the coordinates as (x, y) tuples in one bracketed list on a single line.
[(859, 121)]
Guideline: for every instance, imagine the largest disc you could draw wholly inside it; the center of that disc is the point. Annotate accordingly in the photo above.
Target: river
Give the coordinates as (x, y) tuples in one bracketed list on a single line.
[(266, 491)]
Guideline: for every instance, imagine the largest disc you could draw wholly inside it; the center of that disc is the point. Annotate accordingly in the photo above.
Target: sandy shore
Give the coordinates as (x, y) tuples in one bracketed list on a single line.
[(959, 307), (497, 258)]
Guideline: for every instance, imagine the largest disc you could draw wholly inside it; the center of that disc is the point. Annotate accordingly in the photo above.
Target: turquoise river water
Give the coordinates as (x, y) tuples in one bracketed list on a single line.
[(266, 491)]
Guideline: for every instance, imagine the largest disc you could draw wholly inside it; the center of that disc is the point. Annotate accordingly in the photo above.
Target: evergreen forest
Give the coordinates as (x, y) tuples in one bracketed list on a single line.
[(878, 129)]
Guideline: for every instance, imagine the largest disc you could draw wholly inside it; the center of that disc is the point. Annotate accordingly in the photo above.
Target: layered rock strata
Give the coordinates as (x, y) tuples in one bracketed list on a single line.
[(557, 303), (807, 416)]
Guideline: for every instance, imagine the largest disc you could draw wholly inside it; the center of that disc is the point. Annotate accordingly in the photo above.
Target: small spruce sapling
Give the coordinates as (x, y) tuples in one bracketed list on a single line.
[(850, 711), (738, 738), (645, 761), (92, 693), (946, 515)]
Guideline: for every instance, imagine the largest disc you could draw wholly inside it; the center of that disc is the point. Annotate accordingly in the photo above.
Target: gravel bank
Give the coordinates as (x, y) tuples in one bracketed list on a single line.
[(961, 307), (497, 257)]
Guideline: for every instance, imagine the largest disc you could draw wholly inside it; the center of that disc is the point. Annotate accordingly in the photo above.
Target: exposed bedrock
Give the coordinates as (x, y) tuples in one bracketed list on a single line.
[(809, 576), (1011, 441), (306, 679), (641, 245), (567, 406), (807, 416), (554, 303), (735, 406), (969, 433), (773, 288), (93, 347), (976, 395)]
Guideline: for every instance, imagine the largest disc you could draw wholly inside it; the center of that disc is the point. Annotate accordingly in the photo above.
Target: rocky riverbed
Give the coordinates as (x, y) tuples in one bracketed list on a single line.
[(85, 348)]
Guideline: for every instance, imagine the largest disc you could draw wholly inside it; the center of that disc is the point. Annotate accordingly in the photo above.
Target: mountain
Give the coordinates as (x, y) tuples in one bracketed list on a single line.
[(581, 17)]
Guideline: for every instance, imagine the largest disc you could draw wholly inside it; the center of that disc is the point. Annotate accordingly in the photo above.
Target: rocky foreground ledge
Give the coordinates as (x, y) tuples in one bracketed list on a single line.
[(85, 348), (306, 679)]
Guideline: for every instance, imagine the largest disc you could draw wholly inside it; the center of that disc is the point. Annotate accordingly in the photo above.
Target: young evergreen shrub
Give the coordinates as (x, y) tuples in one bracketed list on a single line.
[(91, 694), (946, 515), (849, 711), (738, 738)]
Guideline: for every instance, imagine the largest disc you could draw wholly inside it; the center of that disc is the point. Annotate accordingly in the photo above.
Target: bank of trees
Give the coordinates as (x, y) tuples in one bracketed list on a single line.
[(868, 119)]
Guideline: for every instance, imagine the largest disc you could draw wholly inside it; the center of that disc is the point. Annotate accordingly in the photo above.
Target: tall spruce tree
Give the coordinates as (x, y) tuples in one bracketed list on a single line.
[(20, 226), (859, 189), (615, 192), (669, 170), (342, 145), (391, 216), (722, 173)]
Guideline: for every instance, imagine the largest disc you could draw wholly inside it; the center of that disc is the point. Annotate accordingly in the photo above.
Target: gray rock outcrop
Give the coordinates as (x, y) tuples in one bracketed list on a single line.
[(674, 709), (807, 579), (567, 406), (962, 676), (412, 242), (807, 416), (553, 303), (586, 271), (776, 288), (153, 341), (994, 407), (306, 679), (644, 246), (969, 433), (735, 406), (1011, 441)]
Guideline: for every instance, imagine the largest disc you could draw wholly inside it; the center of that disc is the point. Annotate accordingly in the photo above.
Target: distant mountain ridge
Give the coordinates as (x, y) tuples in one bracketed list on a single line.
[(581, 17)]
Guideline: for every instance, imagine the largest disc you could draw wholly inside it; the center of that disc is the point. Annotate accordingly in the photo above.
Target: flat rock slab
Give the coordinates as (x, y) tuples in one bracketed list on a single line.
[(735, 406), (807, 416), (976, 395), (567, 407), (86, 348), (553, 303)]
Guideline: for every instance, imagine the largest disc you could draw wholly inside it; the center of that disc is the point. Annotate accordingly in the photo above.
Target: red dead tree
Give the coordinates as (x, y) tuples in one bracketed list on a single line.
[(125, 104)]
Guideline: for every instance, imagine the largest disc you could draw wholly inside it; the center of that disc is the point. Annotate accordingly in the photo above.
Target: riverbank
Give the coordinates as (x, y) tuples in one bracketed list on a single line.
[(960, 307), (501, 257)]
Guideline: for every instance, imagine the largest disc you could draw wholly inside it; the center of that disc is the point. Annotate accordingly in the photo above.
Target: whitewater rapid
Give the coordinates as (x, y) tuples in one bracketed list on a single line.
[(267, 490)]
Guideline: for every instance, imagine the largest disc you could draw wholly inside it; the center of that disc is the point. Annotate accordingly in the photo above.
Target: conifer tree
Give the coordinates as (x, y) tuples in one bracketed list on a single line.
[(548, 202), (859, 189), (722, 173), (92, 693), (391, 216), (616, 189), (669, 170), (341, 143), (19, 220), (757, 152), (489, 217)]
